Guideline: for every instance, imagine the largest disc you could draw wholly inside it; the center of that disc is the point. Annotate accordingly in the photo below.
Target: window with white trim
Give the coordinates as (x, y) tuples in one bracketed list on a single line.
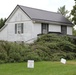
[(44, 27), (19, 28)]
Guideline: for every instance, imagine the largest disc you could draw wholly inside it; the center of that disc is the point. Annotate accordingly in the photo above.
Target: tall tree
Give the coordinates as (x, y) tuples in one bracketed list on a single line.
[(2, 22), (73, 13), (63, 11), (74, 32)]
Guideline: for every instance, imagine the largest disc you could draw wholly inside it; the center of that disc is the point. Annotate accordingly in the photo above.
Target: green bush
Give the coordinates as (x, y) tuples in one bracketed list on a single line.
[(11, 52), (66, 46), (32, 56), (3, 56), (43, 54), (58, 55), (48, 47), (14, 57), (70, 56), (17, 52), (53, 47), (48, 38)]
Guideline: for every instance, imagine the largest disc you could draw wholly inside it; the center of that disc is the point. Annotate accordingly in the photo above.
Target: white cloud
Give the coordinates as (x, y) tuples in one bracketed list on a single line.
[(41, 4), (59, 3), (6, 6)]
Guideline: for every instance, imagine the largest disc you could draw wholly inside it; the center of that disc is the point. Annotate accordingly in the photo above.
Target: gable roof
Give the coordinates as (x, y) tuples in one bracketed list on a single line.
[(39, 15)]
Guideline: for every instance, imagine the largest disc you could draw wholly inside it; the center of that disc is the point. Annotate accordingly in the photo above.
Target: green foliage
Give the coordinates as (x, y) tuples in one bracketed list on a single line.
[(73, 13), (13, 52), (53, 47), (2, 22), (32, 56), (48, 47), (64, 12), (67, 46), (74, 32), (3, 56), (70, 56), (14, 56)]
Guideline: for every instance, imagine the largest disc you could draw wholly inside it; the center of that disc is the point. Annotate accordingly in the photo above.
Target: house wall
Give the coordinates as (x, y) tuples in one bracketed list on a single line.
[(31, 29), (8, 33), (69, 30), (54, 28), (57, 28), (3, 34), (18, 16), (37, 29)]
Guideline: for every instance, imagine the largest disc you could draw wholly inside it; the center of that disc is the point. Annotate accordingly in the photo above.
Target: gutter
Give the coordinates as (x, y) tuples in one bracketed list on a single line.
[(52, 22)]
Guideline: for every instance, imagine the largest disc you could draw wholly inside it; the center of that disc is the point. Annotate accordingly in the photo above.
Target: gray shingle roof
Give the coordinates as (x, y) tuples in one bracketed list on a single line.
[(45, 16)]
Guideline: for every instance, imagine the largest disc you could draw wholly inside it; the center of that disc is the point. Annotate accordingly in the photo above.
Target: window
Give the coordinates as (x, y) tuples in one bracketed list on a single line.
[(19, 28), (44, 28), (64, 29)]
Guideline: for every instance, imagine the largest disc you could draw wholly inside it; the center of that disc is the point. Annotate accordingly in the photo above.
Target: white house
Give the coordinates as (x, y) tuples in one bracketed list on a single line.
[(25, 24)]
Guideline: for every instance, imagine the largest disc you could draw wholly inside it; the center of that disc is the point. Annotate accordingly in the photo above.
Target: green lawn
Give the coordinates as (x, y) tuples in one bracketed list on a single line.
[(41, 68)]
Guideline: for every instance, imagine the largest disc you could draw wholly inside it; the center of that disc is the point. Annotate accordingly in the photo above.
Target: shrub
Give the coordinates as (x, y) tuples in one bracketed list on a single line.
[(3, 56), (53, 47), (66, 46), (48, 38), (17, 52), (43, 54), (58, 55), (32, 56), (70, 56), (14, 57), (47, 47)]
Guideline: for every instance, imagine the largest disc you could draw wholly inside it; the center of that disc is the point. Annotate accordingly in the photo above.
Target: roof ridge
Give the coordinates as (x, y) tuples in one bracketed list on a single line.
[(44, 14), (39, 9)]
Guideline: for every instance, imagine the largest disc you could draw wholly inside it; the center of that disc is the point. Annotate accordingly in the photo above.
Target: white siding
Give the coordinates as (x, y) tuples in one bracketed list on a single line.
[(3, 34), (54, 28), (27, 35), (8, 33), (69, 30), (18, 16), (37, 29), (31, 29)]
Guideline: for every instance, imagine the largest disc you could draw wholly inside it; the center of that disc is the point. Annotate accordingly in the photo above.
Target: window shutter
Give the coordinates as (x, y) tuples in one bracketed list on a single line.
[(21, 27), (15, 28)]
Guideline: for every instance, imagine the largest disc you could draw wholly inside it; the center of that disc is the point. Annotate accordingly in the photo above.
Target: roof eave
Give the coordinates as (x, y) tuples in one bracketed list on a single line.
[(52, 22)]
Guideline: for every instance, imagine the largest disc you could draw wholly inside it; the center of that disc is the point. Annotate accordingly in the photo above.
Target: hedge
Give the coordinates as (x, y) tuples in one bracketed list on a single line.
[(49, 47)]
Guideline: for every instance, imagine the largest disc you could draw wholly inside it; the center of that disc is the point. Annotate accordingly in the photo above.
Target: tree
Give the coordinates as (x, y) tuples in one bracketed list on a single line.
[(73, 13), (2, 22), (63, 11), (74, 32)]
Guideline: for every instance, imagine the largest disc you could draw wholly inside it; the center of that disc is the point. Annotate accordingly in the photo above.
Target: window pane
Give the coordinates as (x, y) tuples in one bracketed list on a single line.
[(44, 28), (19, 28)]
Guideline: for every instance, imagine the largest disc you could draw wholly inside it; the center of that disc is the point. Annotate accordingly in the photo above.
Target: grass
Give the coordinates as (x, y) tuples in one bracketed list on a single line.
[(41, 68)]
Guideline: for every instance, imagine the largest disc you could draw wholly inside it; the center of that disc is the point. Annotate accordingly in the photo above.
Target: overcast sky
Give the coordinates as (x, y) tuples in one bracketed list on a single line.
[(7, 6)]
